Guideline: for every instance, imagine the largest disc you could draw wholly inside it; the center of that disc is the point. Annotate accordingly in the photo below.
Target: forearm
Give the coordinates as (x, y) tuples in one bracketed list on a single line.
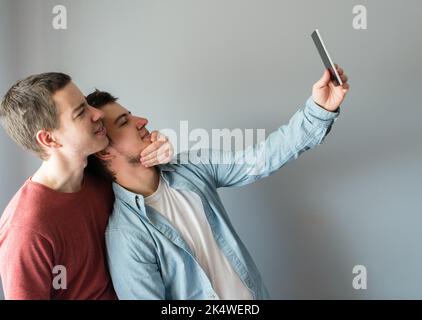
[(306, 129)]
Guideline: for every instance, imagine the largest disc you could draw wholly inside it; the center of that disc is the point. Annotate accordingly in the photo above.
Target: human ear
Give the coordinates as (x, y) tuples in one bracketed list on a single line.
[(105, 154), (46, 139)]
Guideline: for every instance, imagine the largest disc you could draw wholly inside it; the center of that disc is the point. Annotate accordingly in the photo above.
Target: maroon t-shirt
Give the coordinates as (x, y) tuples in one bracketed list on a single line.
[(51, 240)]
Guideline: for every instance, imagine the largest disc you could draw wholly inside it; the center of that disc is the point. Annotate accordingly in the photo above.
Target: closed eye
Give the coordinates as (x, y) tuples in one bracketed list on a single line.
[(124, 121), (81, 113)]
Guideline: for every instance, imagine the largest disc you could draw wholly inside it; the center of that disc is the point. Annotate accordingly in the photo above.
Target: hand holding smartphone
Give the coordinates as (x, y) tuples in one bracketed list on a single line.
[(326, 58)]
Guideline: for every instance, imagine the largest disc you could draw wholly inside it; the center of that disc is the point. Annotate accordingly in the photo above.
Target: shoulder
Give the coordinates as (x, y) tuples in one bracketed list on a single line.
[(126, 220), (27, 209), (128, 236)]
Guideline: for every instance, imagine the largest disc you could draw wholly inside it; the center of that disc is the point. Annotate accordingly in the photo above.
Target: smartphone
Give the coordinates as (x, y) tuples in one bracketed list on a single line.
[(326, 59)]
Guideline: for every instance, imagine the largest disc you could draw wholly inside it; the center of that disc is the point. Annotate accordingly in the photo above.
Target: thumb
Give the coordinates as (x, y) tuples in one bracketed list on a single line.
[(325, 79)]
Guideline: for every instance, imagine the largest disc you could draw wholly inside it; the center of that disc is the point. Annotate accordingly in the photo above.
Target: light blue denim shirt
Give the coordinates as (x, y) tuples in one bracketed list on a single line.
[(147, 257)]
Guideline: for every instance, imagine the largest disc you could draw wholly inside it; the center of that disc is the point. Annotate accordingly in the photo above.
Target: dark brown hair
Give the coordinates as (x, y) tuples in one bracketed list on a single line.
[(96, 166)]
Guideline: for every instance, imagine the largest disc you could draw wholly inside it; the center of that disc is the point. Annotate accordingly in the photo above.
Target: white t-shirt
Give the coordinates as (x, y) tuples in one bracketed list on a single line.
[(184, 209)]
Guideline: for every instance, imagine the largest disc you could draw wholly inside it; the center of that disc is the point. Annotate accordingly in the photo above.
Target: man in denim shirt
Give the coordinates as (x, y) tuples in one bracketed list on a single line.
[(169, 236)]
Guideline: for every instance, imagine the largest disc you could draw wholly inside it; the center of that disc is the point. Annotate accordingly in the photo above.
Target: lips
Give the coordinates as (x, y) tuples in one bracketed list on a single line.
[(145, 134), (147, 137), (101, 131)]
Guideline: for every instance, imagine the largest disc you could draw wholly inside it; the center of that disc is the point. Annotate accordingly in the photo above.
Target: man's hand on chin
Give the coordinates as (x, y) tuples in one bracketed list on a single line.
[(160, 151), (326, 94)]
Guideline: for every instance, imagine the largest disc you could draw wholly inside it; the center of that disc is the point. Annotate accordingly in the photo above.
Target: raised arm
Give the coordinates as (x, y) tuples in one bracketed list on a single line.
[(306, 129)]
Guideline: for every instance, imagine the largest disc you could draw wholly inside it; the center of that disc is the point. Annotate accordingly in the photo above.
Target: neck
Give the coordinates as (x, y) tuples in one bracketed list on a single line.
[(61, 174), (140, 180)]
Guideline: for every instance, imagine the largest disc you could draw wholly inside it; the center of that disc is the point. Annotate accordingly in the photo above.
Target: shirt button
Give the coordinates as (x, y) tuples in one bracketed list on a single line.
[(212, 296), (137, 202)]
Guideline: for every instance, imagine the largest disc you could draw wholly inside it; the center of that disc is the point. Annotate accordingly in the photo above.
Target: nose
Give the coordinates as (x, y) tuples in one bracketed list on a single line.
[(97, 114), (141, 122)]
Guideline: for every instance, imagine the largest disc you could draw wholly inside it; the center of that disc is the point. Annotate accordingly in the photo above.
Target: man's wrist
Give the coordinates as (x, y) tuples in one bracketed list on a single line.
[(320, 112), (326, 108)]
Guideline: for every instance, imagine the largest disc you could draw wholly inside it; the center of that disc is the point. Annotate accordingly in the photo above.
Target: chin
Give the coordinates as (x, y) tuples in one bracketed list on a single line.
[(97, 147), (104, 143)]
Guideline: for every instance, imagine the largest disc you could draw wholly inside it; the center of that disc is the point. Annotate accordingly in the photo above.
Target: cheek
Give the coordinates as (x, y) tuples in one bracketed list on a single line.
[(127, 142), (73, 135), (145, 144), (83, 128)]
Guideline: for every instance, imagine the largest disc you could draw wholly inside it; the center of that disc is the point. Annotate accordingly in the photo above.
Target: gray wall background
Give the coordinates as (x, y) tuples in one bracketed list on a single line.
[(251, 64)]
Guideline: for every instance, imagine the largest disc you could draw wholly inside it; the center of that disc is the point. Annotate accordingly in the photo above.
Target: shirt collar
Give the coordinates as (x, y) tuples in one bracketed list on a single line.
[(136, 201)]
